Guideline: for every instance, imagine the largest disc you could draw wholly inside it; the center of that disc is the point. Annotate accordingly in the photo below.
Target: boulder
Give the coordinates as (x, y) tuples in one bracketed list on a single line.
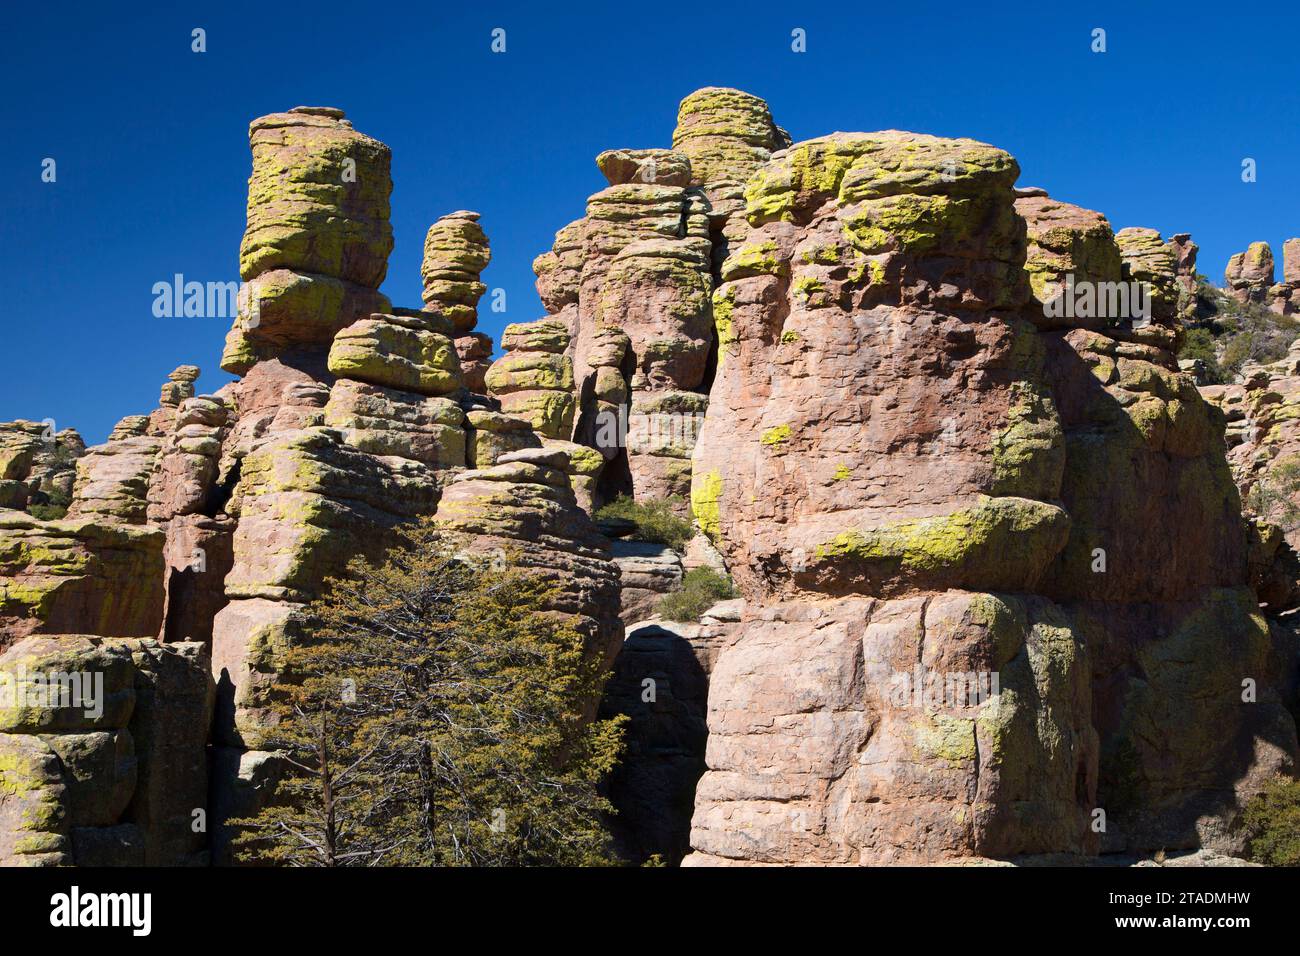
[(913, 482), (387, 421), (395, 352), (662, 167), (102, 760), (81, 575)]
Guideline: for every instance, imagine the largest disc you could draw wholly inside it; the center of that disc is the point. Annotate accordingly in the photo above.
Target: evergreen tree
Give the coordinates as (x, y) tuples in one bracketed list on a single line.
[(437, 713)]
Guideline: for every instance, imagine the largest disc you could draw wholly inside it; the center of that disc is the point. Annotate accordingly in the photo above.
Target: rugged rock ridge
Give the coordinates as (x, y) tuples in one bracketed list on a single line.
[(910, 457), (455, 253), (998, 594), (630, 284), (199, 531), (122, 783), (36, 464)]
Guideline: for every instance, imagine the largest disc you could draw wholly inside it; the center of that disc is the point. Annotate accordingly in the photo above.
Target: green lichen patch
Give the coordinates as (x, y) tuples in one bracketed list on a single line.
[(776, 436), (724, 304), (706, 498), (810, 292), (754, 259), (944, 737), (996, 544), (1029, 453)]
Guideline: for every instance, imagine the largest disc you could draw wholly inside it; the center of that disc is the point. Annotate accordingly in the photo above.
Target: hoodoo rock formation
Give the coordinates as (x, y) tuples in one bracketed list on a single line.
[(196, 533), (1249, 277), (998, 596), (907, 468)]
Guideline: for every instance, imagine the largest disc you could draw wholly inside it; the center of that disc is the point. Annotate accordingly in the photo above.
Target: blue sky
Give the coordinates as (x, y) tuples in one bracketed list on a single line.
[(150, 139)]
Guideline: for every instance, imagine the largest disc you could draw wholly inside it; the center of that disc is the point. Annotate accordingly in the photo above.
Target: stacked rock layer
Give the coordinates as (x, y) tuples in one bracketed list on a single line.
[(196, 534), (915, 475), (1249, 277), (998, 597)]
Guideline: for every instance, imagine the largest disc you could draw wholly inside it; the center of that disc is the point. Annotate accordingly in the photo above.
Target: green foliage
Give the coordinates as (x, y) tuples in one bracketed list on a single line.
[(437, 714), (655, 520), (1272, 823), (47, 512), (1199, 345), (53, 506), (702, 588), (1274, 494), (1239, 333)]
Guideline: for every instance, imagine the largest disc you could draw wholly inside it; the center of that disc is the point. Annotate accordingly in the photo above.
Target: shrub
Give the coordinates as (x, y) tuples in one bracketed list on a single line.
[(655, 520), (1235, 333), (1199, 345), (1272, 824), (1274, 494), (49, 507), (47, 512), (701, 589)]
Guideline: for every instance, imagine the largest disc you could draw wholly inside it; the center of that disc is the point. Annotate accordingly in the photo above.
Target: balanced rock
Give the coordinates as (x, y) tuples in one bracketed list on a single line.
[(475, 352), (662, 166), (1066, 244), (1151, 262), (455, 253), (317, 198), (492, 435), (1185, 251), (179, 386), (1249, 274), (189, 461), (318, 237), (534, 379), (726, 134)]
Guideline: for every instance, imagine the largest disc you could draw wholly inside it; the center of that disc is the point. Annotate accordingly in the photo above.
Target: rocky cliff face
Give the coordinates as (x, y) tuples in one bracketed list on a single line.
[(910, 470), (998, 596)]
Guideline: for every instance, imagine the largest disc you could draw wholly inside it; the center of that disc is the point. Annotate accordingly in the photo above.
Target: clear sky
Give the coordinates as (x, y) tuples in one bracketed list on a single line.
[(150, 138)]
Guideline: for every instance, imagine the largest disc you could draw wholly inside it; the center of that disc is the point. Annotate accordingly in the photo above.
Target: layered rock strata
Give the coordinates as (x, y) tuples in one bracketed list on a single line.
[(916, 480), (1249, 277), (107, 767), (456, 251), (37, 465), (203, 528), (999, 598)]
